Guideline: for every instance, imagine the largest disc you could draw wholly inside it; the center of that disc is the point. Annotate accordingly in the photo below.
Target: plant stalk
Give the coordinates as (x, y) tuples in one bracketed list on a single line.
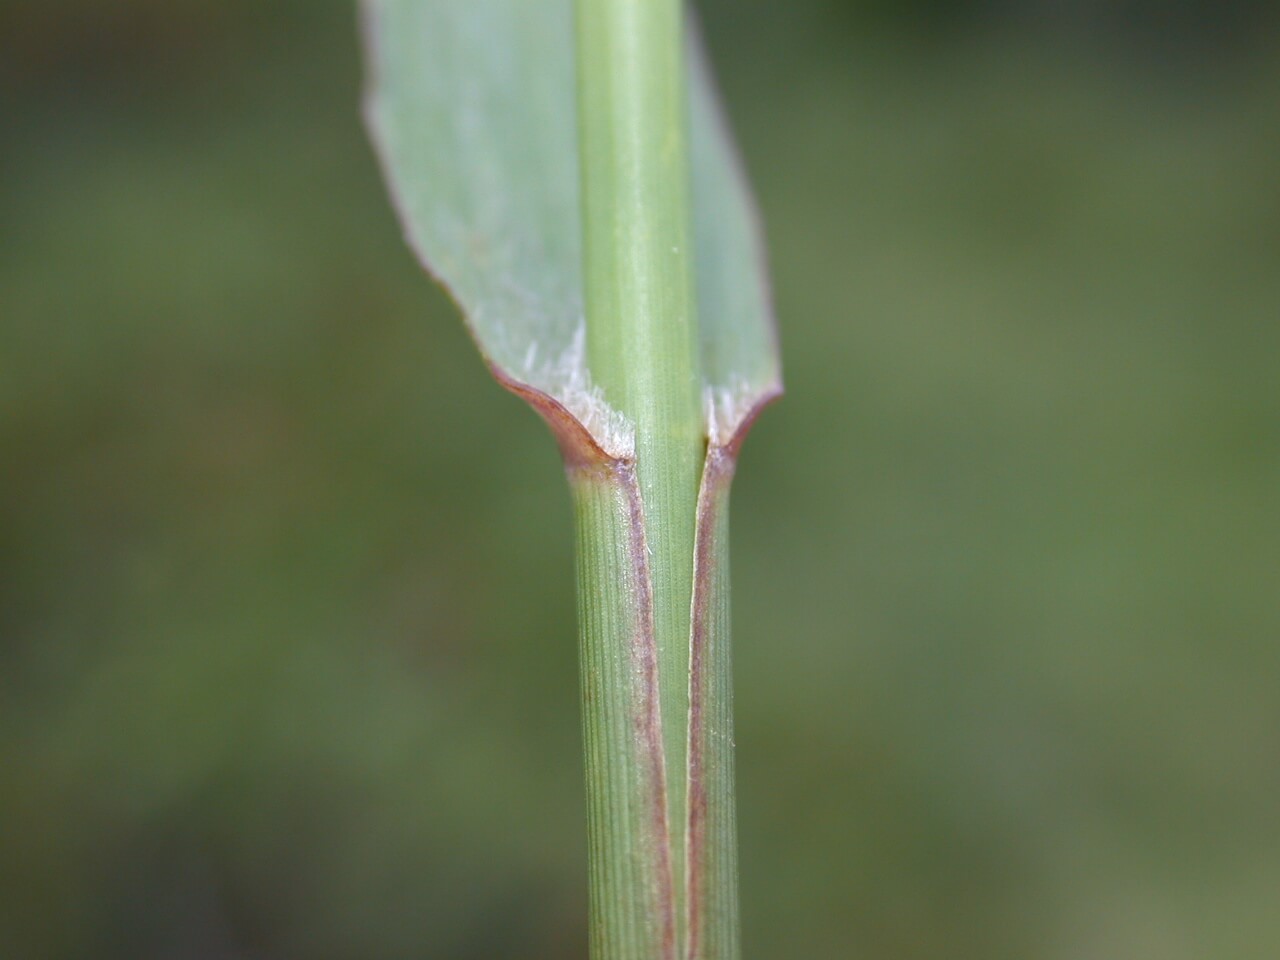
[(642, 341)]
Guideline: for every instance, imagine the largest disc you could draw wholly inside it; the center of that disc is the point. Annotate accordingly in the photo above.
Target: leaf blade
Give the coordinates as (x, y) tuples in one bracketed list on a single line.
[(471, 106)]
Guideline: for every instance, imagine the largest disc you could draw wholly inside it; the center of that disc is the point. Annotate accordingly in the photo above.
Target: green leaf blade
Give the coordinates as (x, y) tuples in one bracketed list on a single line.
[(741, 370), (471, 105)]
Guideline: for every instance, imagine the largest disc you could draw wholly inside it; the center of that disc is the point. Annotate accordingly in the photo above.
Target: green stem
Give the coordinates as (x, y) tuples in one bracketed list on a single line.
[(641, 322)]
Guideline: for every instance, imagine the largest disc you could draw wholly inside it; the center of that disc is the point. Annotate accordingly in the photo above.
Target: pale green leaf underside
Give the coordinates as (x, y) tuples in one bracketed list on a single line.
[(472, 106)]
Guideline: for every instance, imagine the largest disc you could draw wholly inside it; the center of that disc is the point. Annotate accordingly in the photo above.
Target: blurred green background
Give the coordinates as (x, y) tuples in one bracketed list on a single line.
[(287, 663)]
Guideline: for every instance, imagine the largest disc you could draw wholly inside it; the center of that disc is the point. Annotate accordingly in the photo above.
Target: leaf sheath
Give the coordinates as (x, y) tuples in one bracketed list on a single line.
[(633, 902), (711, 847)]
